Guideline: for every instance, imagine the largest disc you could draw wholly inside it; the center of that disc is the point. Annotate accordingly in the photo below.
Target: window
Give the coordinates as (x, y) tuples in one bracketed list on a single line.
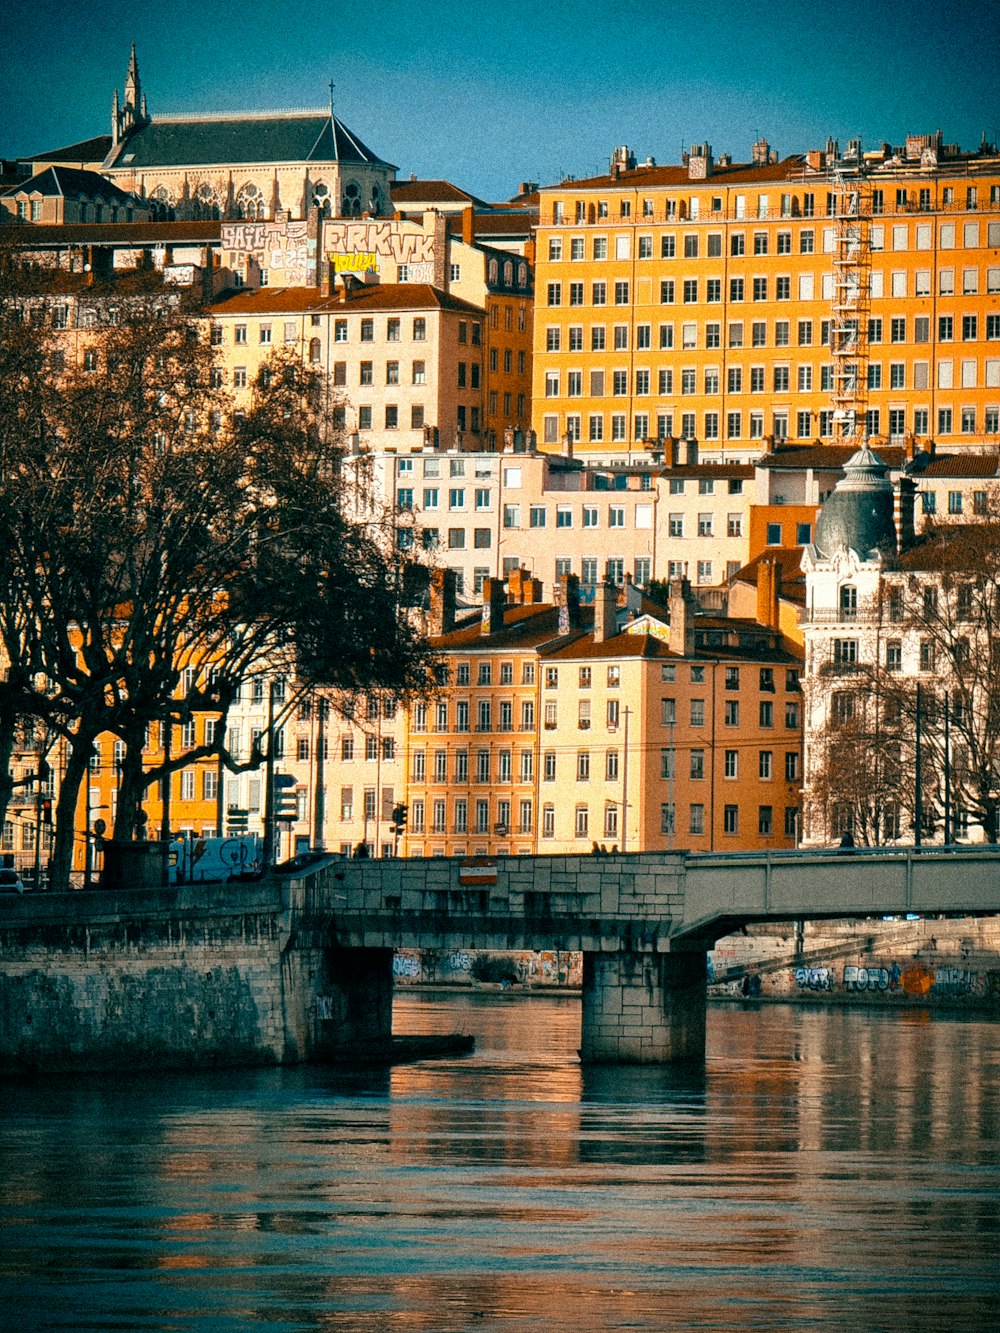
[(696, 819)]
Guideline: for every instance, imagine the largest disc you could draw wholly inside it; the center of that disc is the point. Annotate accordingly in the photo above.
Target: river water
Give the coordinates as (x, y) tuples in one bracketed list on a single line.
[(828, 1168)]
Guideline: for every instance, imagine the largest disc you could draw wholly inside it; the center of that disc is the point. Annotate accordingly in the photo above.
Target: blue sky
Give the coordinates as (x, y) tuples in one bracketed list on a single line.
[(492, 94)]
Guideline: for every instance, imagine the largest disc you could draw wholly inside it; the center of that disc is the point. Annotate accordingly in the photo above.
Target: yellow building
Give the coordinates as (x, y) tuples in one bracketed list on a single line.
[(695, 301), (554, 727)]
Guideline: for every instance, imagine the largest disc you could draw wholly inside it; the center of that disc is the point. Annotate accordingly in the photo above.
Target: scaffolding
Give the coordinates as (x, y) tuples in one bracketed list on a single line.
[(851, 304)]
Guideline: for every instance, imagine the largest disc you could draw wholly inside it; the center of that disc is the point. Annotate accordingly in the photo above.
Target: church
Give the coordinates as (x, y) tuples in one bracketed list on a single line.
[(247, 165)]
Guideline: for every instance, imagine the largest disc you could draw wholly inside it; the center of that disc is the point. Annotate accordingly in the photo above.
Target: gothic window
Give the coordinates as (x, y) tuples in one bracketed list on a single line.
[(321, 198), (351, 205), (163, 204), (250, 202), (206, 202), (375, 201)]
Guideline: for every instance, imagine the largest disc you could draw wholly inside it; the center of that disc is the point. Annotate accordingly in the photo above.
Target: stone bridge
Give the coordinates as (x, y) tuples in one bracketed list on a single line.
[(300, 967)]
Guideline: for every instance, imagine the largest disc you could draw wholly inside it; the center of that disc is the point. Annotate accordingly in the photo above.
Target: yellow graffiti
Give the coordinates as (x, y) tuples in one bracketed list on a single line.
[(365, 261)]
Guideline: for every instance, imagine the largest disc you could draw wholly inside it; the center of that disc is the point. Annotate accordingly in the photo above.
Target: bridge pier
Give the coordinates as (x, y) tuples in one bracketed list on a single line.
[(352, 1004), (643, 1008)]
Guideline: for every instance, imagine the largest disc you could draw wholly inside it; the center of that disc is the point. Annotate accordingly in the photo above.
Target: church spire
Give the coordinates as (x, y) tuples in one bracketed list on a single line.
[(133, 113), (132, 88)]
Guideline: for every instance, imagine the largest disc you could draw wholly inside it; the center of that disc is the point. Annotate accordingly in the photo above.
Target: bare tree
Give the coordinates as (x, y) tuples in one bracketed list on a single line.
[(950, 609), (159, 544), (859, 757)]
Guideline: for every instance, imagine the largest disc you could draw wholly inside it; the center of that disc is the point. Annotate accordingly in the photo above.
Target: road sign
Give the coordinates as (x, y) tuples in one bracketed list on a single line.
[(286, 804)]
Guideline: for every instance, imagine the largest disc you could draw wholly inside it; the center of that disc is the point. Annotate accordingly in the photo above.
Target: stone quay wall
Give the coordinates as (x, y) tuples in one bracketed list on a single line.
[(179, 984)]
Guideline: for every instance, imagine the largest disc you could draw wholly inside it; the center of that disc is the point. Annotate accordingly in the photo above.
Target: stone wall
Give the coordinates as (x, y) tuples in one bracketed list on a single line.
[(166, 994), (643, 1008)]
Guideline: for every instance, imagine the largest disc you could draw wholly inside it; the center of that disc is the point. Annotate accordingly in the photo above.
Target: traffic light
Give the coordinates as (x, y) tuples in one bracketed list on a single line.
[(399, 813), (286, 805), (47, 810)]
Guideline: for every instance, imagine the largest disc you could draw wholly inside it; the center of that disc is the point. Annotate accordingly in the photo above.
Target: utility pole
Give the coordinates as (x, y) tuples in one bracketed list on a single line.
[(268, 849), (625, 779), (220, 782), (947, 769), (319, 795), (918, 793)]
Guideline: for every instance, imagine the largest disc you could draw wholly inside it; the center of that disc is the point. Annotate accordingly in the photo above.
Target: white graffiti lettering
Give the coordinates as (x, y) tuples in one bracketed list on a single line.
[(865, 978), (815, 978)]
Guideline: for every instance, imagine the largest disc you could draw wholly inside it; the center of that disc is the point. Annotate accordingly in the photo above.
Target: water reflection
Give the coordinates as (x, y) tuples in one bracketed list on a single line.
[(822, 1168)]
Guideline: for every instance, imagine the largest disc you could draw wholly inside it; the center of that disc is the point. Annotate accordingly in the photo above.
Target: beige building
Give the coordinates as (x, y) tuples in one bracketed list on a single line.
[(253, 166), (557, 727)]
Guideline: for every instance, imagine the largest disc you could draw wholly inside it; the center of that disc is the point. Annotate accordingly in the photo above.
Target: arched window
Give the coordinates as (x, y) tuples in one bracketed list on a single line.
[(508, 273), (375, 201), (351, 204), (163, 204), (206, 202), (314, 351), (494, 270), (250, 202), (321, 198)]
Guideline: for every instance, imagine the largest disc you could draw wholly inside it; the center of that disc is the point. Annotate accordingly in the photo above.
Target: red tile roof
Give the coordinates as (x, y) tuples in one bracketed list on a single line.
[(744, 471), (826, 456), (431, 190), (46, 235), (966, 464), (737, 173), (376, 296)]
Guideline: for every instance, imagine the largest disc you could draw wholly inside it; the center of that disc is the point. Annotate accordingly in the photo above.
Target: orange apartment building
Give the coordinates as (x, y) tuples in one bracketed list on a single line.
[(554, 727), (694, 301)]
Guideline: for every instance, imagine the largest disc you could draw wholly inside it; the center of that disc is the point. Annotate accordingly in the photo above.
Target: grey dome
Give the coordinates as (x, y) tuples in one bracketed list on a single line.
[(858, 516)]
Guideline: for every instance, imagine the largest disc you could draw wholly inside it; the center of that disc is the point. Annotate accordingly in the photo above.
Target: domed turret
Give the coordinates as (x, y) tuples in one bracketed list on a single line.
[(858, 516)]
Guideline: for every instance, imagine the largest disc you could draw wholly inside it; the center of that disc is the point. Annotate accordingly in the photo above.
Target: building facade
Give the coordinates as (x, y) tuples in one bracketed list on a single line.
[(696, 301)]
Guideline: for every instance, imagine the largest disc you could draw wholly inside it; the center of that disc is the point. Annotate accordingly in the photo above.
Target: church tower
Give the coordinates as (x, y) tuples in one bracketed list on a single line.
[(126, 118)]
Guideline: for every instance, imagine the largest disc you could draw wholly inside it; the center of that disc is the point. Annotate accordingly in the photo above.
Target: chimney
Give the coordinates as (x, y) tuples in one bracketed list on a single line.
[(699, 162), (494, 601), (568, 602), (442, 608), (468, 226), (605, 612), (682, 609), (524, 590), (905, 504), (440, 249), (768, 592), (692, 453)]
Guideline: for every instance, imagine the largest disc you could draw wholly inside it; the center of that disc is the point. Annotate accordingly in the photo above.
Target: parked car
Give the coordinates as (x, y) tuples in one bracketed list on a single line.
[(10, 881)]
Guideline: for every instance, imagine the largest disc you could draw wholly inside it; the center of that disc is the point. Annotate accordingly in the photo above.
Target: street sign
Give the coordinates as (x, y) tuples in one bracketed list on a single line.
[(477, 870), (286, 804)]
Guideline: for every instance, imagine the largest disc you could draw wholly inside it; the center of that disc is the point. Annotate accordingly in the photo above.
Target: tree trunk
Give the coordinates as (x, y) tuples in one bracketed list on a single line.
[(79, 751), (132, 787)]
